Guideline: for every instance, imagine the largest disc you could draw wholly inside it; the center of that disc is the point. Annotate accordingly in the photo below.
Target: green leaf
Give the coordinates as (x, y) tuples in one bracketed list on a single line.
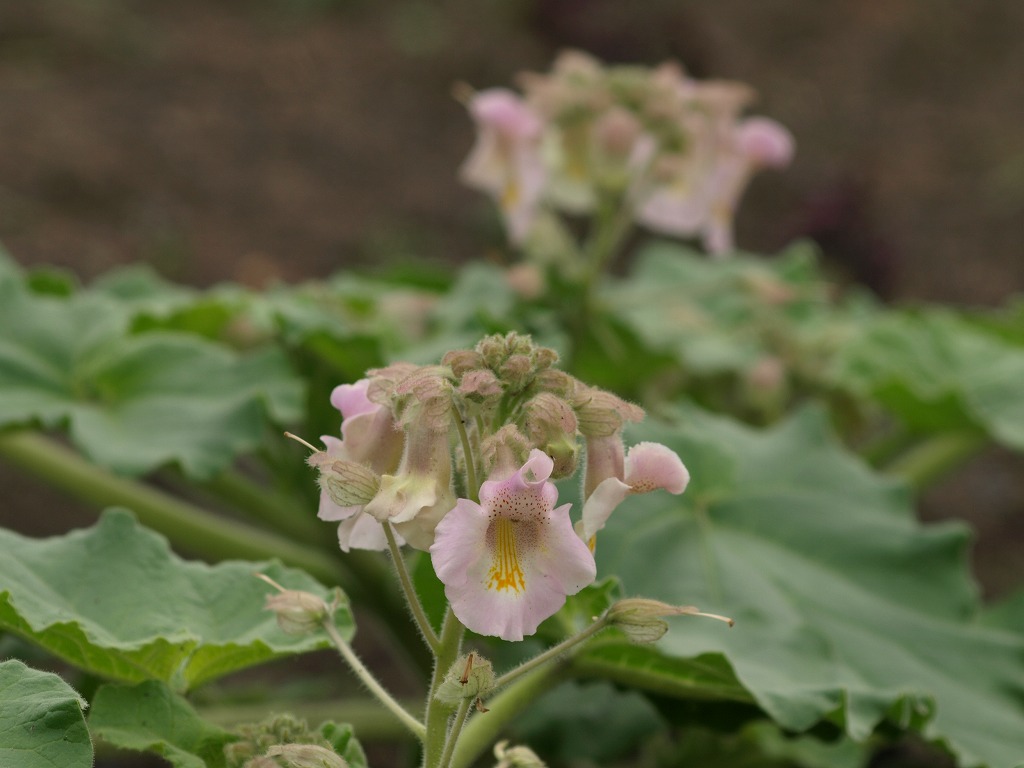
[(343, 740), (846, 608), (937, 372), (133, 403), (150, 717), (114, 600), (41, 720)]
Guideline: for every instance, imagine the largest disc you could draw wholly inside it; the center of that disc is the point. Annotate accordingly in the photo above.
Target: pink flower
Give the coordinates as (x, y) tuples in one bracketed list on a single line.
[(370, 437), (510, 561), (506, 161), (647, 467)]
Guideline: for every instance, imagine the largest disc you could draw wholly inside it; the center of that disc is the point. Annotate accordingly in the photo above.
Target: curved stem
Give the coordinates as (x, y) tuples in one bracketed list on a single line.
[(366, 677), (200, 531), (925, 463), (551, 653), (410, 591)]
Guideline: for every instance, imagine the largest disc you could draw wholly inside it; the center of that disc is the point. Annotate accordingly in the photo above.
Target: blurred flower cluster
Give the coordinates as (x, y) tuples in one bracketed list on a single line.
[(674, 153), (458, 459)]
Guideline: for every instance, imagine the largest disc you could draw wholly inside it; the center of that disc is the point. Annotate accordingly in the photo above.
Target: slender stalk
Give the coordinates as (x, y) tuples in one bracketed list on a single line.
[(481, 732), (202, 532), (455, 732), (925, 463), (551, 653), (473, 490), (437, 711), (410, 591), (366, 677), (278, 511)]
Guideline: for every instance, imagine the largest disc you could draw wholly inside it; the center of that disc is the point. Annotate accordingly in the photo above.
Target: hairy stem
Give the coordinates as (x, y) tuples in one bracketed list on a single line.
[(411, 597), (437, 711), (366, 677), (551, 653)]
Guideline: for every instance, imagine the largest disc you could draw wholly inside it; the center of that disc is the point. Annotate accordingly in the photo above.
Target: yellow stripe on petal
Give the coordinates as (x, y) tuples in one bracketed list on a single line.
[(506, 571)]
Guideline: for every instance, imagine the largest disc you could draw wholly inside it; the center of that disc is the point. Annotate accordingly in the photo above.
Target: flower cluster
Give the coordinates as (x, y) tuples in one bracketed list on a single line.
[(458, 458), (676, 151)]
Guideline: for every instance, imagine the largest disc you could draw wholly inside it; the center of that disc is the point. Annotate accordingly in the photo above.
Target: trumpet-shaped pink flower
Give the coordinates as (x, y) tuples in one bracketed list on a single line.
[(647, 467), (506, 161), (510, 561), (370, 437)]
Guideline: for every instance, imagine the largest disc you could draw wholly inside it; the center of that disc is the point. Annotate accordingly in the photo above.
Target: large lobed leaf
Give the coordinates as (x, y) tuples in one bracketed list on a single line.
[(114, 600), (135, 402), (41, 720), (937, 371), (846, 608)]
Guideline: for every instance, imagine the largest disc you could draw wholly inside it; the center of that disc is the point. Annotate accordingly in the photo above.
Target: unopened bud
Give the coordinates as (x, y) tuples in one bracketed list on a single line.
[(551, 426), (516, 757), (470, 677), (479, 385), (297, 612), (305, 756), (348, 483), (516, 372), (504, 452), (462, 360), (602, 414), (641, 618)]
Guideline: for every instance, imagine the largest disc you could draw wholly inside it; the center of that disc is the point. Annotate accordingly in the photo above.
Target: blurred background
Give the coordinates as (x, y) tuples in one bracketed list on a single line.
[(287, 139)]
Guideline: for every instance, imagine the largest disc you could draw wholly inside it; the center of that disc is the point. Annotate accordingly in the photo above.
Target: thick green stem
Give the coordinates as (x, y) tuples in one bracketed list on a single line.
[(482, 731), (411, 597), (455, 732), (438, 712), (925, 463), (201, 532), (371, 683), (278, 511)]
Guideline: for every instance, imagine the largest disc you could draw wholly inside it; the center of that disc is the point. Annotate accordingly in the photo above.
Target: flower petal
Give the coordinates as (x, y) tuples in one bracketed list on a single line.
[(362, 532), (650, 466), (599, 506)]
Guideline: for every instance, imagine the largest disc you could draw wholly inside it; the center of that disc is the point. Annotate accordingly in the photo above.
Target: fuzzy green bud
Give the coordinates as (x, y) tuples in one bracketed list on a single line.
[(551, 426), (641, 618), (346, 482), (602, 414), (470, 677)]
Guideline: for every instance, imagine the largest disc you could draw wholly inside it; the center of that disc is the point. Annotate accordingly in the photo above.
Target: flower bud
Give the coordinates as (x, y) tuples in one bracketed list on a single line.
[(298, 613), (551, 426), (504, 452), (516, 372), (346, 482), (480, 385), (641, 618), (462, 360), (470, 677), (602, 414), (305, 756), (516, 757)]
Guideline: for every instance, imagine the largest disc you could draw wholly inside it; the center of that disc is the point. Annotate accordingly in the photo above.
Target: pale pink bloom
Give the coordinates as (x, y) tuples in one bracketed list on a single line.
[(647, 467), (509, 562), (370, 437), (506, 160), (756, 143), (418, 494)]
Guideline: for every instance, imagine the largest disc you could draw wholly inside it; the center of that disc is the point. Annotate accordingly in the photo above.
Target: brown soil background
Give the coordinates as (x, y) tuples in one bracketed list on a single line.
[(287, 139)]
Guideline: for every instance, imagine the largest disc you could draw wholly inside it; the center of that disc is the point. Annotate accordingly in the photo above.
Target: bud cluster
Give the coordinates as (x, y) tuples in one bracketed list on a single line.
[(458, 458), (281, 742), (675, 149)]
